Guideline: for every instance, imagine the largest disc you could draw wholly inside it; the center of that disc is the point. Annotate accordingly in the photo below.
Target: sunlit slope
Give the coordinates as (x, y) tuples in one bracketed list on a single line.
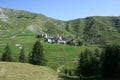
[(23, 71), (95, 29)]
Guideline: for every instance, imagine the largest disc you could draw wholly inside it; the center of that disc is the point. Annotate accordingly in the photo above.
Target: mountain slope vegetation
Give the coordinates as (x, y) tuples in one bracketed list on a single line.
[(92, 30)]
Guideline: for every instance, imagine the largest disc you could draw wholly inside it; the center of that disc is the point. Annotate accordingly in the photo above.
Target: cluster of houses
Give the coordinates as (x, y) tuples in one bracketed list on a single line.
[(52, 39)]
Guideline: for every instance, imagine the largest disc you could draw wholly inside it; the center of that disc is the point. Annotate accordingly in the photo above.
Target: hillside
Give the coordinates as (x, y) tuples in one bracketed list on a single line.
[(20, 28), (91, 30), (13, 22), (96, 29), (23, 71), (56, 55)]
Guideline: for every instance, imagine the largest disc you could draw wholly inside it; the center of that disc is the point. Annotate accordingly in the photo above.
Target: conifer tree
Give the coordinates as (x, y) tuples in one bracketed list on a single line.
[(88, 64), (22, 56), (36, 57), (110, 61), (6, 56)]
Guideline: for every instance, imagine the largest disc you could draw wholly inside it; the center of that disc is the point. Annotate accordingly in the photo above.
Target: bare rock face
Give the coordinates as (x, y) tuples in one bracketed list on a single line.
[(30, 28), (1, 10), (3, 17)]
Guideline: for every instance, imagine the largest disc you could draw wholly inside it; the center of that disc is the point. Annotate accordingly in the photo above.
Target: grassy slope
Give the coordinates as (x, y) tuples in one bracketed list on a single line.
[(62, 55), (57, 55), (90, 28), (20, 71)]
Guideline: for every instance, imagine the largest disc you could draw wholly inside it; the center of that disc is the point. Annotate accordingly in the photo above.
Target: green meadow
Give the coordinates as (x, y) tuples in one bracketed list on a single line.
[(56, 55)]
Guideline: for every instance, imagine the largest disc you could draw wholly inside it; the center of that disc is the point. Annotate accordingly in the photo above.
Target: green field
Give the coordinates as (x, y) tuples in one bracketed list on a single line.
[(56, 55)]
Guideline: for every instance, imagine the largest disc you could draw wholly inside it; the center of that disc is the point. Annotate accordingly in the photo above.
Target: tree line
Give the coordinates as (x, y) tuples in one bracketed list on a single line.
[(105, 63), (35, 56)]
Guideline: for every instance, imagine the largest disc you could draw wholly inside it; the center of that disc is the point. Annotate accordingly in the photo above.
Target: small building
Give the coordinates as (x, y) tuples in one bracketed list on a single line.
[(50, 40), (19, 45)]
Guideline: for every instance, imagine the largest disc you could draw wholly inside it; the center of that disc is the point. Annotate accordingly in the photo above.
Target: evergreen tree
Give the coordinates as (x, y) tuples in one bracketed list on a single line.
[(97, 61), (84, 63), (110, 60), (80, 62), (6, 56), (36, 57), (79, 43), (22, 56), (88, 64)]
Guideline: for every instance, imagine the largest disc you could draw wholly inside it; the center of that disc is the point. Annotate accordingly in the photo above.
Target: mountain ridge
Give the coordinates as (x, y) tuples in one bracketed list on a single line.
[(93, 29)]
